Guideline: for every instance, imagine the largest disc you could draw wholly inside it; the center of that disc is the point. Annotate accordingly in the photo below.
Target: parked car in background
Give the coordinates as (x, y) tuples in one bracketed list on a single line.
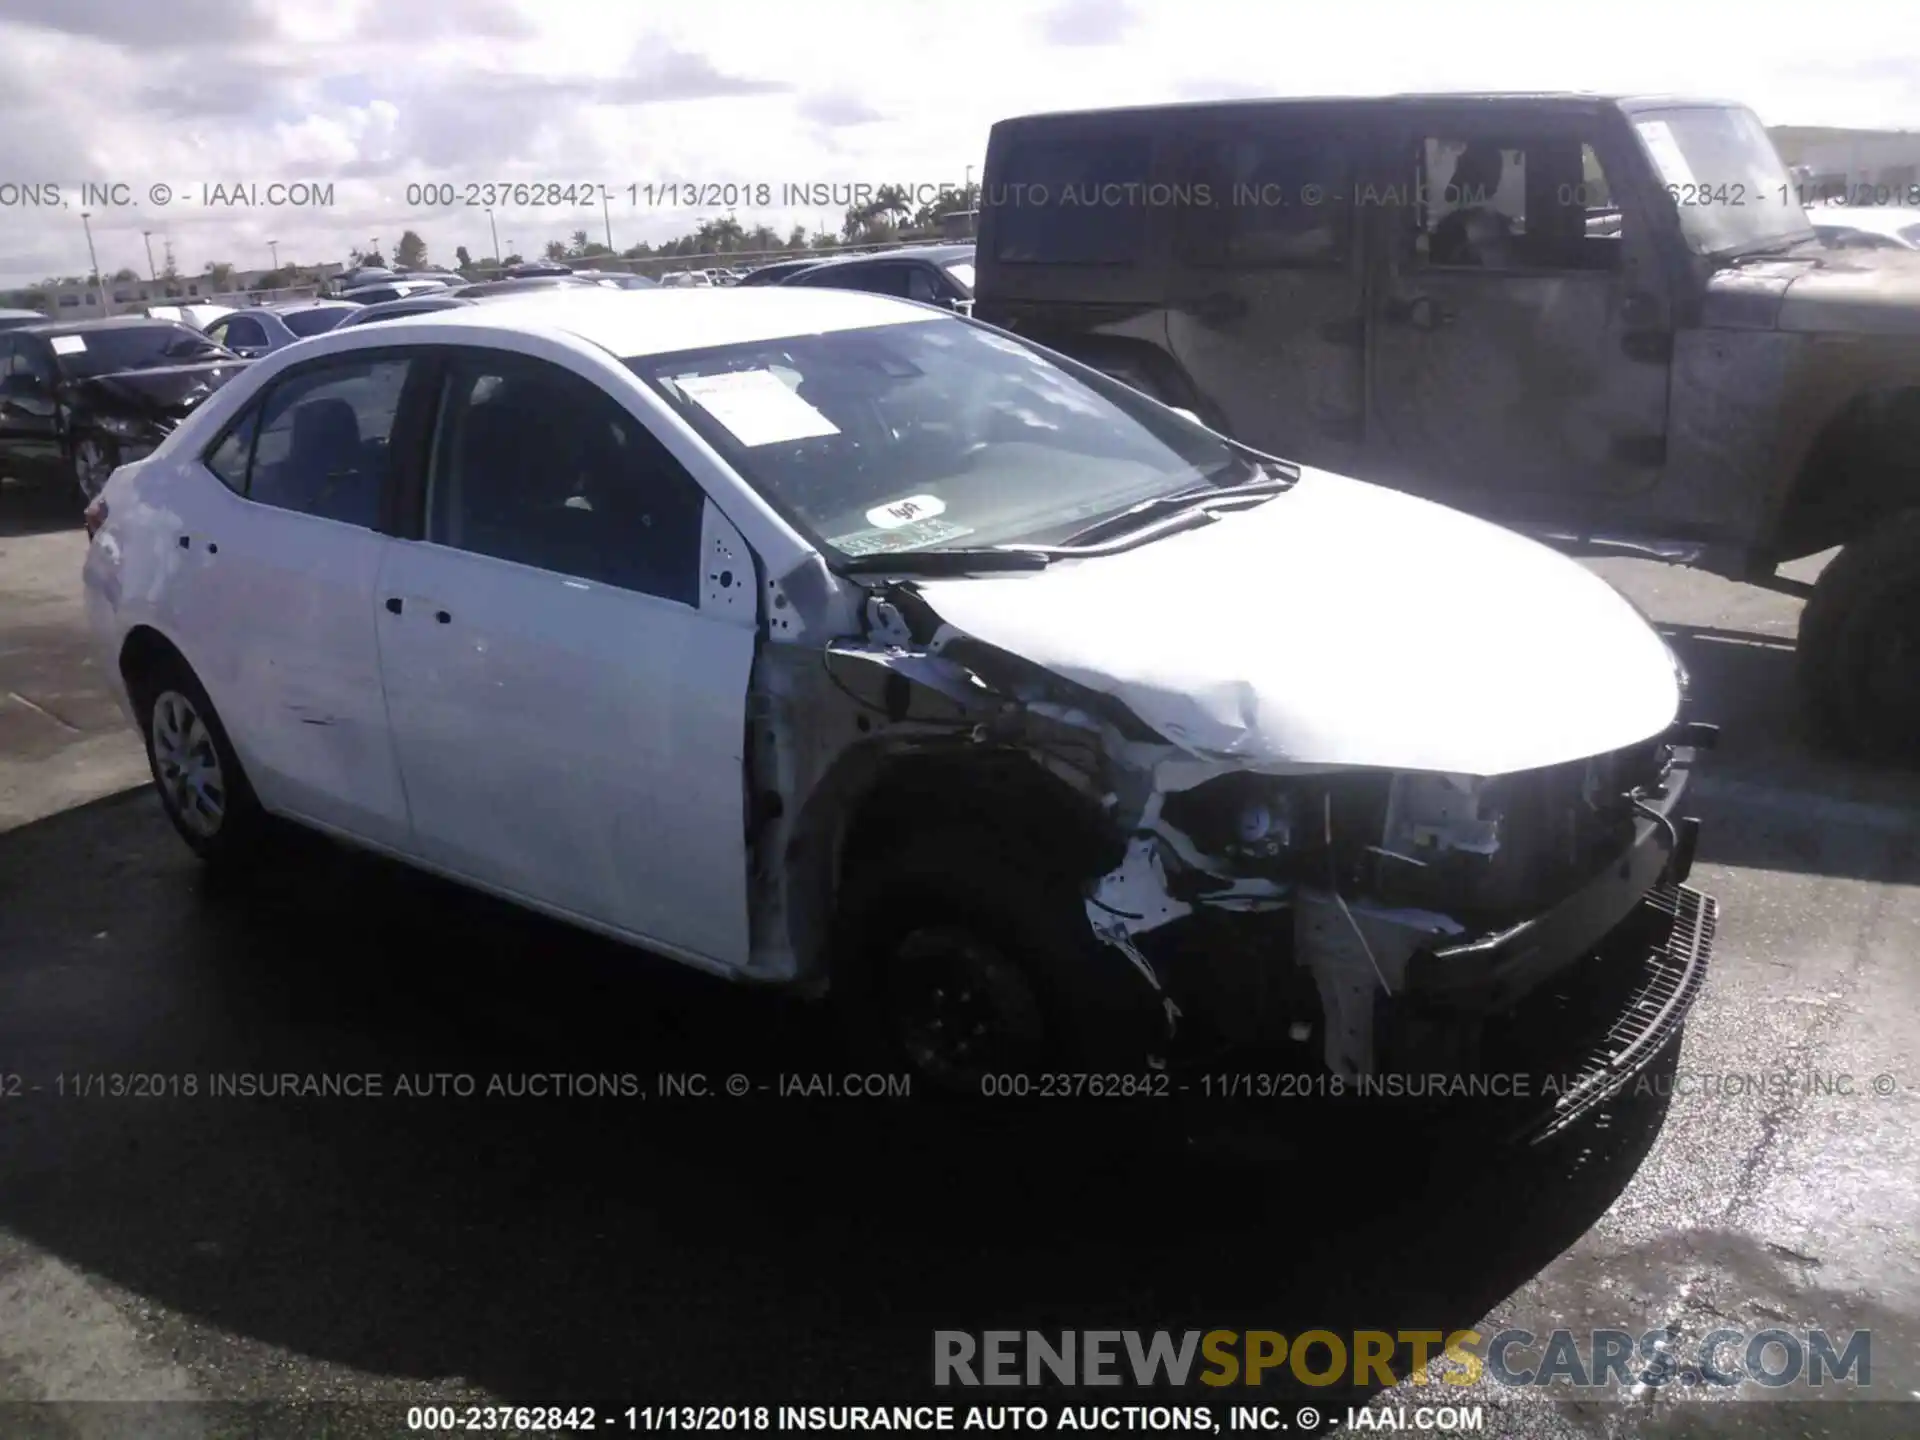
[(392, 290), (687, 280), (197, 315), (12, 319), (265, 328), (531, 268), (618, 279), (776, 272), (908, 589), (363, 275), (937, 274), (1503, 352), (468, 295), (79, 398), (1867, 227), (449, 278)]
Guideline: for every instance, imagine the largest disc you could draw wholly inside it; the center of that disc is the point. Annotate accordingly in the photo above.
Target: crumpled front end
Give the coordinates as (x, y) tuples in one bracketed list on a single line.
[(1317, 925)]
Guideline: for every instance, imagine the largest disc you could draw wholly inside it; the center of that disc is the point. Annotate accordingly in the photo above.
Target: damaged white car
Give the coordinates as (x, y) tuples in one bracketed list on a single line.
[(826, 640)]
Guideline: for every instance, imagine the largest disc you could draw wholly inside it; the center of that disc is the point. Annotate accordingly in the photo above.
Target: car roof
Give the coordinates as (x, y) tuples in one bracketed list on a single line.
[(109, 322), (16, 314), (634, 324), (934, 254), (1576, 99)]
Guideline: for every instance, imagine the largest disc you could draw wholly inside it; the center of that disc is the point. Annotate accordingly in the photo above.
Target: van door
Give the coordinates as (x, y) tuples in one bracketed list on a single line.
[(1520, 333), (1265, 312)]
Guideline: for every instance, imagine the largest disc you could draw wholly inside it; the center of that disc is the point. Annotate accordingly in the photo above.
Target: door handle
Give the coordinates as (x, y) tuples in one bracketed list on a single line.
[(395, 605), (1420, 312), (1220, 306)]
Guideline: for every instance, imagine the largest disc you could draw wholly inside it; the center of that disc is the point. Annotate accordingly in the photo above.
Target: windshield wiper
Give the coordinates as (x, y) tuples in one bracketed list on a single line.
[(1201, 497), (945, 562)]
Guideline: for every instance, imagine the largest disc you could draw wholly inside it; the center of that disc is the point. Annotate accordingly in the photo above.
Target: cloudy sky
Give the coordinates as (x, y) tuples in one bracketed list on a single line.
[(375, 97)]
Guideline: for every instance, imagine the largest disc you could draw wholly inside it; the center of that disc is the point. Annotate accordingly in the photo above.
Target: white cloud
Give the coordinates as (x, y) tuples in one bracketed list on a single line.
[(377, 96)]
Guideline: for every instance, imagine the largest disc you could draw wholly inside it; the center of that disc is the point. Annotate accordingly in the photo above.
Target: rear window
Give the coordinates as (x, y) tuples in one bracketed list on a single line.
[(1071, 200), (313, 322)]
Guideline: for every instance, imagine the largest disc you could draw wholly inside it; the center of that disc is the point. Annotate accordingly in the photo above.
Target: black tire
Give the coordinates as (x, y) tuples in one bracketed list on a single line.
[(169, 699), (1858, 657), (975, 904)]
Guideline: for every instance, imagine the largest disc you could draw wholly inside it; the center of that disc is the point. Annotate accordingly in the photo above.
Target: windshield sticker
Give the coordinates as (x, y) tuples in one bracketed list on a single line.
[(756, 406), (69, 344), (1657, 136), (898, 513), (904, 537)]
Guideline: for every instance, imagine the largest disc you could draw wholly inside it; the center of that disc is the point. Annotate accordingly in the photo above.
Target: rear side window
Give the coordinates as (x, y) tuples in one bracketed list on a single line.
[(244, 330), (1072, 200), (1268, 199), (323, 440), (313, 322)]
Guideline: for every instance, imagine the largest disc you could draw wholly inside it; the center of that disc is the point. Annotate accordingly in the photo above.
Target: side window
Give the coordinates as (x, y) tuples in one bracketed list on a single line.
[(1513, 203), (10, 358), (34, 357), (243, 330), (322, 448), (537, 465), (1269, 199), (1072, 200), (231, 454), (921, 284), (217, 332)]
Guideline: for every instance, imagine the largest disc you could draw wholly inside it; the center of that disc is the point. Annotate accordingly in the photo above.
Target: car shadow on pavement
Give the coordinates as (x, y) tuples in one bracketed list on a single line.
[(36, 509), (1768, 798), (606, 1248)]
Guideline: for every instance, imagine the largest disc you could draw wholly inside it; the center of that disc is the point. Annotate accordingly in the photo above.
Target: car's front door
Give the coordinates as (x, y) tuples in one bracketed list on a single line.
[(277, 589), (1265, 311), (1519, 329), (570, 711)]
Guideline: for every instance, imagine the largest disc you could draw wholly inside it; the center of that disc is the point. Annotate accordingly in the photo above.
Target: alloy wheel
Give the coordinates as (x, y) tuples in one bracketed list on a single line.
[(187, 765)]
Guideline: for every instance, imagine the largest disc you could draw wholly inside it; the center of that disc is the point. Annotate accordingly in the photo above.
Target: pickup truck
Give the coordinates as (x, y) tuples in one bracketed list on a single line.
[(1607, 322)]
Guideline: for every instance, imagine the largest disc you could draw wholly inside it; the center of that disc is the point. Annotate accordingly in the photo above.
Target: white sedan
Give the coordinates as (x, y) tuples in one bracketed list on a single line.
[(830, 640)]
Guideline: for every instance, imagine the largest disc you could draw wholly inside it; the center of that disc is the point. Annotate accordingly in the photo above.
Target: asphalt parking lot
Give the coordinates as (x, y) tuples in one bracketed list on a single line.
[(608, 1251)]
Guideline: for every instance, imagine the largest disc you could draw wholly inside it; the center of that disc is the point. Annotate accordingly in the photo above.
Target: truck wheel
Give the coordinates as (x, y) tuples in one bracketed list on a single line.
[(963, 956), (1858, 662)]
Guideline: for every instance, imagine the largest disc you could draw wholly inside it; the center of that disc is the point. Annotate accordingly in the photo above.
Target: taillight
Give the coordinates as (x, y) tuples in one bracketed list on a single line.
[(95, 517)]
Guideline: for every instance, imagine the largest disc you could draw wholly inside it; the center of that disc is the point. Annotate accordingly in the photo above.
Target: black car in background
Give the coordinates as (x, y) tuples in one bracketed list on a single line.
[(777, 272), (937, 274), (81, 397), (14, 319)]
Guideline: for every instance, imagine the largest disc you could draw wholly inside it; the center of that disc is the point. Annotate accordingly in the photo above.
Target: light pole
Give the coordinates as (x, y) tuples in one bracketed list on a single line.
[(273, 248), (607, 215), (376, 247), (100, 290), (495, 229), (152, 274)]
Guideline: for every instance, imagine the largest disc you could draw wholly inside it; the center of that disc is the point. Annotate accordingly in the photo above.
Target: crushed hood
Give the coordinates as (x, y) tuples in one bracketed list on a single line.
[(1343, 624), (168, 391)]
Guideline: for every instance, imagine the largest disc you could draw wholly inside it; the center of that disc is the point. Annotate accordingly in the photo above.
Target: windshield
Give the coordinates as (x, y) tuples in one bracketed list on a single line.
[(135, 347), (933, 434), (1725, 177), (316, 321)]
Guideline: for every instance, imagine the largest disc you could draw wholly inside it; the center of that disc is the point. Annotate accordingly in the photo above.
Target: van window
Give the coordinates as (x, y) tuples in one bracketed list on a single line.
[(1072, 200), (1267, 199)]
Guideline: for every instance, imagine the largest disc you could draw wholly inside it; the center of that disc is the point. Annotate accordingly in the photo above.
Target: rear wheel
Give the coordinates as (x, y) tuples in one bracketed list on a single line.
[(1858, 660), (201, 784), (94, 459)]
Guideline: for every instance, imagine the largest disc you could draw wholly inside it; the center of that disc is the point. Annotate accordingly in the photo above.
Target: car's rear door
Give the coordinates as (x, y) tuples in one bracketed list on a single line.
[(567, 695), (30, 413), (276, 600)]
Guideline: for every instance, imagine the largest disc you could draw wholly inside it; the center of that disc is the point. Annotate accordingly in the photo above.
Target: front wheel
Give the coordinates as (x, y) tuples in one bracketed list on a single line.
[(1858, 663), (94, 459)]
